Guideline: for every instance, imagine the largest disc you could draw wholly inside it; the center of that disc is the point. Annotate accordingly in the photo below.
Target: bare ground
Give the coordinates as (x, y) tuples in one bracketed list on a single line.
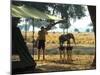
[(54, 64)]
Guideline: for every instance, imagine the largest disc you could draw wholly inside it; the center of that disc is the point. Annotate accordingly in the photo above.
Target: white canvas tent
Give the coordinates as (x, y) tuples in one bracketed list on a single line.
[(30, 12)]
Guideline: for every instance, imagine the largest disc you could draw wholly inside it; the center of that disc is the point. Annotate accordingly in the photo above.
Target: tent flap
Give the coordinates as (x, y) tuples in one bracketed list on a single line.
[(29, 12)]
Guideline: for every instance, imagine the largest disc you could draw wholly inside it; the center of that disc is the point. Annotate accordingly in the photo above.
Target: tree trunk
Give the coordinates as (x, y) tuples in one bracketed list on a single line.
[(92, 11), (33, 38), (53, 24), (64, 31), (26, 32), (67, 30)]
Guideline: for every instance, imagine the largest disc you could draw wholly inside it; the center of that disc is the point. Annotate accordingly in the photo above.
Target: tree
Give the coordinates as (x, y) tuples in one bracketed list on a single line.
[(91, 24), (92, 30), (87, 30), (68, 12), (76, 30), (65, 26)]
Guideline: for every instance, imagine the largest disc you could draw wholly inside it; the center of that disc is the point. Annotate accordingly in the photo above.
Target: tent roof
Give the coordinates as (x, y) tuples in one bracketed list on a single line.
[(30, 12)]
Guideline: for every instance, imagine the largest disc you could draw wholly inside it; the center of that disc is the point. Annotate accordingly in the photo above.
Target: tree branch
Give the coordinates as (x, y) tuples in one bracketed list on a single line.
[(53, 24)]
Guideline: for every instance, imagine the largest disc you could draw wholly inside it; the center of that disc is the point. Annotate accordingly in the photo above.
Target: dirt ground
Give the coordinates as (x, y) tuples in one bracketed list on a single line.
[(54, 64)]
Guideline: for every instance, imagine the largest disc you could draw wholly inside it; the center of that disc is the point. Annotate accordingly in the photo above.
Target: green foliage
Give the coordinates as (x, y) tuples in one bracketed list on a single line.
[(88, 30), (69, 10), (65, 25), (76, 30)]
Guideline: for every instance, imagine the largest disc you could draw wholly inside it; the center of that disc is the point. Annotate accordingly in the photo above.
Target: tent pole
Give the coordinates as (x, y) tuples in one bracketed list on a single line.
[(33, 38), (25, 30)]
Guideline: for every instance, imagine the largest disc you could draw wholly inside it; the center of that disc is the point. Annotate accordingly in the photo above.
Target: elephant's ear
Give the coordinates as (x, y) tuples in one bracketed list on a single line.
[(73, 39)]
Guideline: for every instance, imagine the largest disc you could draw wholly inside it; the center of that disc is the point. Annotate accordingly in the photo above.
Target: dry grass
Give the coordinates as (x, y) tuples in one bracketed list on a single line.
[(81, 38)]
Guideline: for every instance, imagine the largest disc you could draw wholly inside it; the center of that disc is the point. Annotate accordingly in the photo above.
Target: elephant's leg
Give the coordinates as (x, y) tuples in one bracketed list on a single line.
[(60, 54)]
